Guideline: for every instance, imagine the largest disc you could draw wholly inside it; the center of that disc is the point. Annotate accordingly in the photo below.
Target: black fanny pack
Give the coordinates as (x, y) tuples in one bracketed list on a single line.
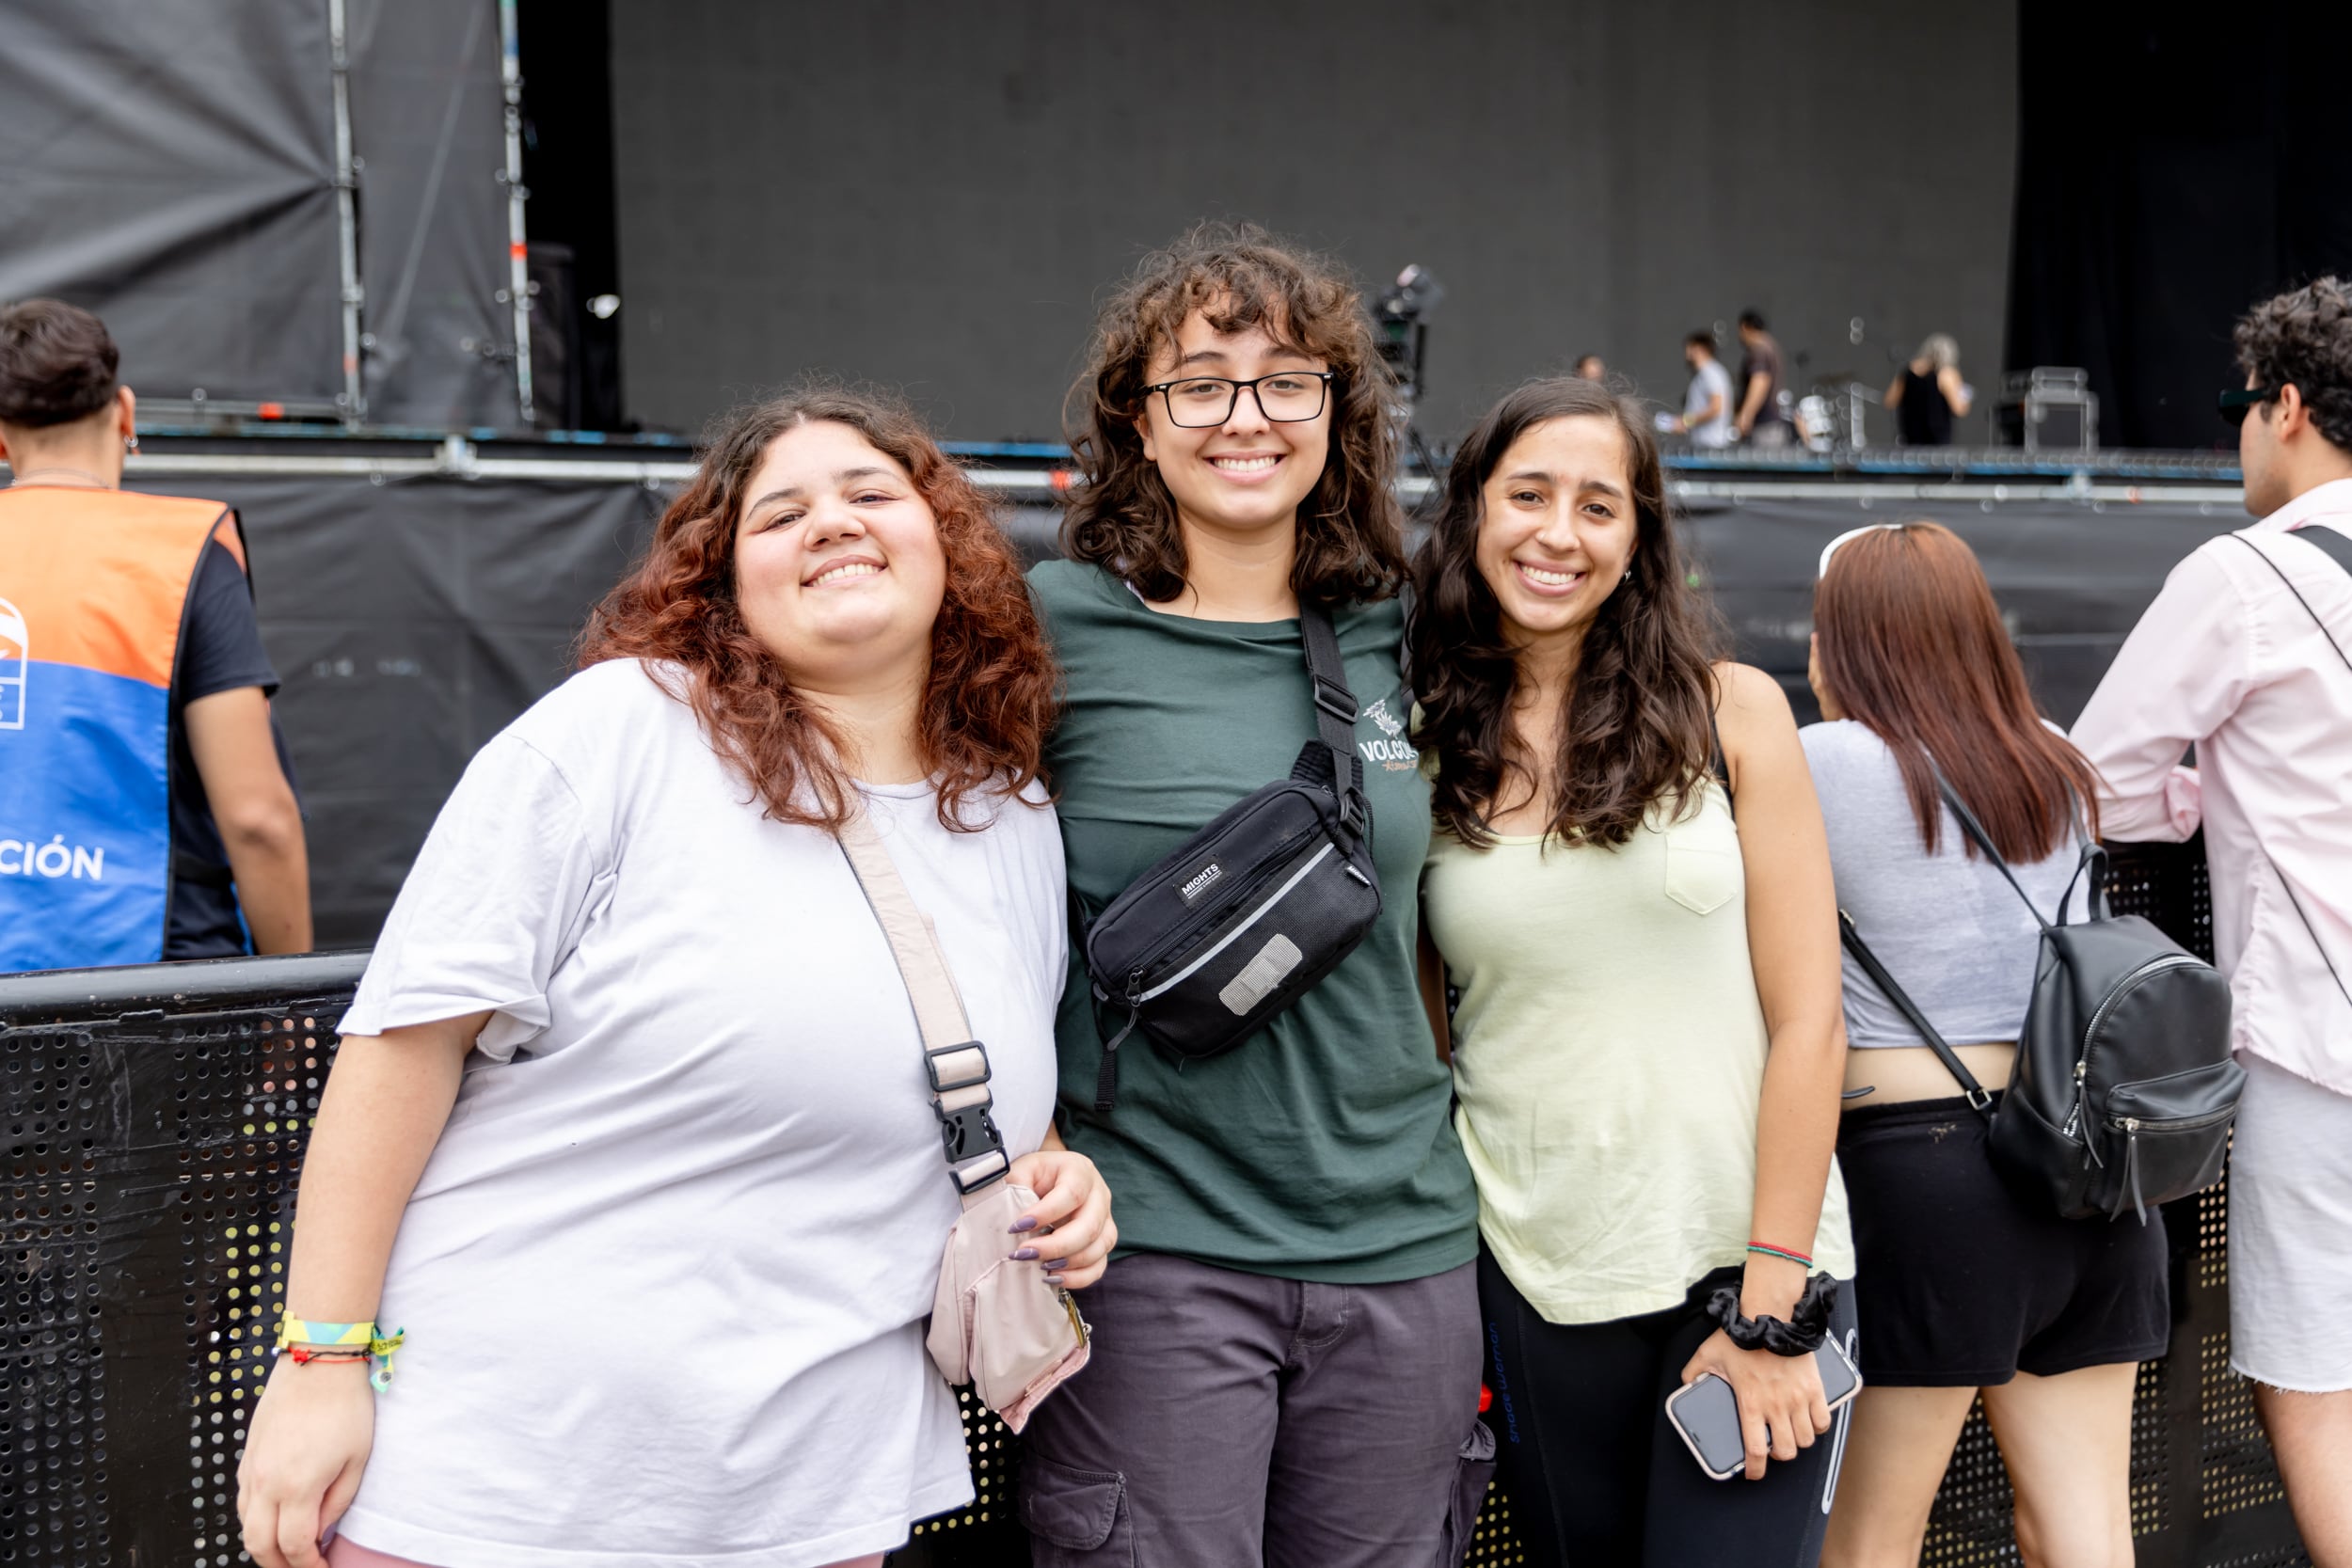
[(1250, 913)]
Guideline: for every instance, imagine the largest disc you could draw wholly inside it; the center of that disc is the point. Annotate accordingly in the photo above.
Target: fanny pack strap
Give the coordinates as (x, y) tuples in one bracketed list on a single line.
[(954, 1064), (1335, 709)]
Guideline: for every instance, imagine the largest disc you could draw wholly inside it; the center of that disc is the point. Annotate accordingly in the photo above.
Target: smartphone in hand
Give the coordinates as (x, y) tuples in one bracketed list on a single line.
[(1707, 1414)]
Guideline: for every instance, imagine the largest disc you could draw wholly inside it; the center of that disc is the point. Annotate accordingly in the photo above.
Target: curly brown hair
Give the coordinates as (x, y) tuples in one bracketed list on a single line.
[(1120, 515), (988, 702), (2304, 337), (1640, 722)]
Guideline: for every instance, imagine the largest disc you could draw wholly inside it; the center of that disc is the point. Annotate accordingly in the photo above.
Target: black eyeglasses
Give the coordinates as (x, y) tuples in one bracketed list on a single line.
[(2236, 403), (1285, 397)]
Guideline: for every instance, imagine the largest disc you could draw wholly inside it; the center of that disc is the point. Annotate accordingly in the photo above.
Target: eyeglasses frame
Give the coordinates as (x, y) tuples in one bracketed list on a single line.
[(1233, 402)]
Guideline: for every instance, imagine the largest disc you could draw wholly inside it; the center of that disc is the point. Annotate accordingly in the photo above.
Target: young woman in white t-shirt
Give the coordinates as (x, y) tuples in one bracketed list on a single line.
[(631, 1131)]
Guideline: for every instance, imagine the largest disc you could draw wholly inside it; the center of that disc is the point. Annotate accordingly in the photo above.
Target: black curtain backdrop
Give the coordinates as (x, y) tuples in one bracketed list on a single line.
[(567, 165), (410, 622), (2174, 165)]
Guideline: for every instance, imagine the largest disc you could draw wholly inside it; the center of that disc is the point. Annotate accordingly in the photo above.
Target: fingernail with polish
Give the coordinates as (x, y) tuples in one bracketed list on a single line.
[(1026, 1222), (1053, 1279), (1025, 1255), (1055, 1264)]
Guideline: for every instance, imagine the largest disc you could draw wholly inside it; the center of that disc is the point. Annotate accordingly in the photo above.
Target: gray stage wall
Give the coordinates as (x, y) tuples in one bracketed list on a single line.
[(933, 194)]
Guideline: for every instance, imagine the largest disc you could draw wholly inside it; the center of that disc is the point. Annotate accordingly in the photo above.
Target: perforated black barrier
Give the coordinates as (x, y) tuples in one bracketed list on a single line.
[(155, 1121)]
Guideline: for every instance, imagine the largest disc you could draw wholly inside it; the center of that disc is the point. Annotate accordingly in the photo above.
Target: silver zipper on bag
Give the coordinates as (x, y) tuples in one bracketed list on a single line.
[(2091, 1036)]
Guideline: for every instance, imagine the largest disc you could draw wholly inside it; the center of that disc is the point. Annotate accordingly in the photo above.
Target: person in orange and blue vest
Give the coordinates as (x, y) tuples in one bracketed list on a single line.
[(147, 809)]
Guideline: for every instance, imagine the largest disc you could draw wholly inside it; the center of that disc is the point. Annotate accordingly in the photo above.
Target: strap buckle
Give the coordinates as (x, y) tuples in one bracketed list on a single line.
[(969, 1133), (1335, 699), (947, 1073), (1979, 1099), (1354, 814)]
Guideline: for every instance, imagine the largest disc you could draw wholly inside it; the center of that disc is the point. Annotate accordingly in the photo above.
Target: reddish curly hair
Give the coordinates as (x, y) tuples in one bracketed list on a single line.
[(987, 703)]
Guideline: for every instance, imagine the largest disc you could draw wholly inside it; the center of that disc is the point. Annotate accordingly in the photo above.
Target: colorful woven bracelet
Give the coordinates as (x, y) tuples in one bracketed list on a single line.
[(1782, 1252), (366, 1338)]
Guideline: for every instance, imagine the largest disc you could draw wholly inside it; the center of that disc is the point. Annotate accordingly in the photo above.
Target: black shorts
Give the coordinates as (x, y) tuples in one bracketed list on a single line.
[(1962, 1284)]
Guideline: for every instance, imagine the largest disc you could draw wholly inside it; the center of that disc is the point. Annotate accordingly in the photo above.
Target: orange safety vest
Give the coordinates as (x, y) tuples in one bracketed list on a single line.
[(93, 598)]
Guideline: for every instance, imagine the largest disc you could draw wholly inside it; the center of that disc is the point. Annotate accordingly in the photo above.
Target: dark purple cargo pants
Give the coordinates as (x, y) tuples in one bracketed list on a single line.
[(1237, 1420)]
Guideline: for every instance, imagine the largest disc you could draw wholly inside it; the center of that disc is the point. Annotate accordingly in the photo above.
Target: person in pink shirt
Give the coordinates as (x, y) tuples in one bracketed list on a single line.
[(2247, 654)]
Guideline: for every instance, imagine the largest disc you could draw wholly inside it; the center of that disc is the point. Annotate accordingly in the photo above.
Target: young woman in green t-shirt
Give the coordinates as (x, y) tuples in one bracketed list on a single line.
[(1286, 1346)]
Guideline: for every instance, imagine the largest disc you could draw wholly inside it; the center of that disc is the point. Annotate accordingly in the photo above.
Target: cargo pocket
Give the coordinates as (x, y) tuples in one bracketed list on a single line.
[(1075, 1519), (1473, 1470), (1701, 877)]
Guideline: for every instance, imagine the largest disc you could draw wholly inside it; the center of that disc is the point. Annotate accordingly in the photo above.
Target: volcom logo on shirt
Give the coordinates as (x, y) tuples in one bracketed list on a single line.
[(1203, 880), (1392, 751)]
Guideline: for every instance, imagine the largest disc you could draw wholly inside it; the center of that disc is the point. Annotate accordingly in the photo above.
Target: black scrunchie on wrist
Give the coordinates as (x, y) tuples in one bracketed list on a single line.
[(1802, 1335)]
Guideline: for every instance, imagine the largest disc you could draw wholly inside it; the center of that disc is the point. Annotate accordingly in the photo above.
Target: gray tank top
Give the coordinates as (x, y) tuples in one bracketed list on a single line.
[(1949, 928)]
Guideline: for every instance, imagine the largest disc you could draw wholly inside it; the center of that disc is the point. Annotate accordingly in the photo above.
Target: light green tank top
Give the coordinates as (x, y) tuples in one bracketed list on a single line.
[(1609, 1060)]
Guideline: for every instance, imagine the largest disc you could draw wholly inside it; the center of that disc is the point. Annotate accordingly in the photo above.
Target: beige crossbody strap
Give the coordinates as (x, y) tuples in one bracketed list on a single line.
[(955, 1064)]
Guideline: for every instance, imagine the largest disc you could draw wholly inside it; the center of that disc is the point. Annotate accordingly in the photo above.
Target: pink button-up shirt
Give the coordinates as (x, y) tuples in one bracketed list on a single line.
[(2226, 660)]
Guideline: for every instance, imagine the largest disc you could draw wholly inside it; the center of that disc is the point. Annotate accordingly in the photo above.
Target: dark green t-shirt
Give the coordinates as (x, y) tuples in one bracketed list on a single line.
[(1321, 1147)]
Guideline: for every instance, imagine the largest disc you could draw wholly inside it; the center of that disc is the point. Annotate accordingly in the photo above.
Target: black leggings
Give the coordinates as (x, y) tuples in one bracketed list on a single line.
[(1599, 1478)]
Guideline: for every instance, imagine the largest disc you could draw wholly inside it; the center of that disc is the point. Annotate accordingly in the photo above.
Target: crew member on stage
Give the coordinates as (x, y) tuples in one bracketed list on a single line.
[(1761, 420), (1928, 394), (151, 813)]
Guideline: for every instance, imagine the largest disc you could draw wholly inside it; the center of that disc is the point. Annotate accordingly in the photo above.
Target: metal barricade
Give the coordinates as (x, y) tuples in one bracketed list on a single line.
[(155, 1121)]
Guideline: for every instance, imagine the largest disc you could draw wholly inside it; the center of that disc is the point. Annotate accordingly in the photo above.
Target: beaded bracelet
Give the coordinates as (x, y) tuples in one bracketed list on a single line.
[(1782, 1252)]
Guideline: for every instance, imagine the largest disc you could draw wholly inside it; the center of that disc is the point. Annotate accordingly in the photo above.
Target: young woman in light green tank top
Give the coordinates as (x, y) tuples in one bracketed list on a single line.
[(1648, 1045)]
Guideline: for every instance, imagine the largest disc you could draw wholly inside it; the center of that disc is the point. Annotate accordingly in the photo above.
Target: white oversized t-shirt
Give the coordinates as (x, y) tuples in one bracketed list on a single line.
[(666, 1275)]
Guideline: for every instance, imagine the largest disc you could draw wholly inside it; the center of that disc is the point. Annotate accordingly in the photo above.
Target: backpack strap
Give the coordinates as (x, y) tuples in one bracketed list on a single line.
[(1979, 1098), (1975, 830)]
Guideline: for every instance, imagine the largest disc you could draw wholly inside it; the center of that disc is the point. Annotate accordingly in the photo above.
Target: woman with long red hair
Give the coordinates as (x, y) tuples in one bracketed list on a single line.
[(629, 1130), (1963, 1289)]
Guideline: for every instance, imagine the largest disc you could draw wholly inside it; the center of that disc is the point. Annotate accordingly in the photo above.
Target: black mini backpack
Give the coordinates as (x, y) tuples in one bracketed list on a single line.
[(2124, 1089)]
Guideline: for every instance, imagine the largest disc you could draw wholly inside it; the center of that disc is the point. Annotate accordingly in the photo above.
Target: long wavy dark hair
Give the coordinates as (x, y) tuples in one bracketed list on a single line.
[(1637, 725), (1912, 646), (1122, 517), (989, 700)]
